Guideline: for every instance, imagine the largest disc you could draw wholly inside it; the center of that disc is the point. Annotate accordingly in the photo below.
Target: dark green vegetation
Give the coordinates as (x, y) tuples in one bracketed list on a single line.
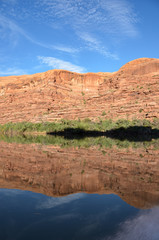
[(87, 125), (87, 142), (103, 134)]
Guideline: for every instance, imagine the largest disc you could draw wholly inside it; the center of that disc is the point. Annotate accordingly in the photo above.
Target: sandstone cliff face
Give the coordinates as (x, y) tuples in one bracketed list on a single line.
[(132, 92), (132, 174)]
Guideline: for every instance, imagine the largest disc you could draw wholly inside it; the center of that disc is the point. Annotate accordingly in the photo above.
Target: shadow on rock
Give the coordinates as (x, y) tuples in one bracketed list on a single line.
[(135, 134)]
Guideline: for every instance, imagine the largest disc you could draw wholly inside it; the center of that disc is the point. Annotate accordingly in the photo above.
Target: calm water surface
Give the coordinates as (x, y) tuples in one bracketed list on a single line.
[(28, 215), (47, 192)]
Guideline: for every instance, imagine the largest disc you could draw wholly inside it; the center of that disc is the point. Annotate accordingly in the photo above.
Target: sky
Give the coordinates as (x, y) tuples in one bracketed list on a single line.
[(76, 35)]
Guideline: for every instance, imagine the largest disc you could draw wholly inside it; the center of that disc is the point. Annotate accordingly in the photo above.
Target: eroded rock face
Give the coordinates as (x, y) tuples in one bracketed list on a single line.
[(132, 92), (133, 174)]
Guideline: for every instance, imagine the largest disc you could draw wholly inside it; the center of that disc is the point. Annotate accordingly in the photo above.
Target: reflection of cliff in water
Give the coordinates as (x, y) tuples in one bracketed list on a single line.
[(133, 174)]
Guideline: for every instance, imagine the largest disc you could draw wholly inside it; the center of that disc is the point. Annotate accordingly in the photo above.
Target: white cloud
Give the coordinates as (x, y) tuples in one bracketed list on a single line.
[(61, 64), (65, 49), (95, 45), (60, 48), (107, 19), (12, 71), (121, 15), (108, 16), (9, 29)]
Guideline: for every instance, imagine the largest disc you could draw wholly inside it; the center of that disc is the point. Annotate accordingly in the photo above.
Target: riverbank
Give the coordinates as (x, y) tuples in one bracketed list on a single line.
[(86, 125), (85, 133)]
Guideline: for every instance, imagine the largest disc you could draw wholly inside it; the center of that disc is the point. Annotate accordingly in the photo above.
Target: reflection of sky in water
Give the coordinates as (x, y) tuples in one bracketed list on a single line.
[(143, 227), (27, 215), (53, 202)]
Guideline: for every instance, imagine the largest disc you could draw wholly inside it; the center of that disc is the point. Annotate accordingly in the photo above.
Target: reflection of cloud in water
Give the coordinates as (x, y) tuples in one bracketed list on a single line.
[(143, 227), (10, 192), (53, 202)]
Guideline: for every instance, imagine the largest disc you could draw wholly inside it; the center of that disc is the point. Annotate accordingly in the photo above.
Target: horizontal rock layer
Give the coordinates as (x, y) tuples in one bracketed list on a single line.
[(133, 174), (131, 93)]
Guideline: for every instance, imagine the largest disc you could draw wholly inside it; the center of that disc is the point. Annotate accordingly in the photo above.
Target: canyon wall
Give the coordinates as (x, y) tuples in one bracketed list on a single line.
[(130, 93)]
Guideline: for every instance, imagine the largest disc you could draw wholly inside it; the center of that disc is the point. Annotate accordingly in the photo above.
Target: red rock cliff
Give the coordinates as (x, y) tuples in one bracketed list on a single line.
[(132, 92)]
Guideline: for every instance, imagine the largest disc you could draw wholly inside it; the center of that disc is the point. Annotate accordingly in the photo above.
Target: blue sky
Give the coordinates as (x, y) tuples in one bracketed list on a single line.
[(76, 35)]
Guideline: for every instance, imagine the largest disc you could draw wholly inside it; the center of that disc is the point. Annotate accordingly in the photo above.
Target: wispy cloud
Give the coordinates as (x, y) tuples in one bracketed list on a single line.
[(92, 20), (93, 44), (60, 48), (12, 71), (110, 16), (60, 64), (65, 49), (9, 29), (121, 16), (90, 24)]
